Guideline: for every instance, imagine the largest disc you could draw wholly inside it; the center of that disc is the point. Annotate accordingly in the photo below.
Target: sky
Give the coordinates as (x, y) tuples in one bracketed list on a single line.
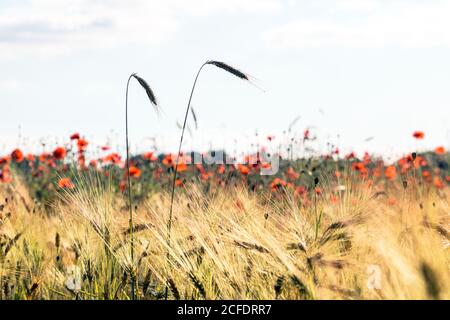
[(350, 69)]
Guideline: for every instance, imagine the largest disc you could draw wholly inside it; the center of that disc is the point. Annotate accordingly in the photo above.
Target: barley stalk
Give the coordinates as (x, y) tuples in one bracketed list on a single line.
[(222, 66), (153, 101)]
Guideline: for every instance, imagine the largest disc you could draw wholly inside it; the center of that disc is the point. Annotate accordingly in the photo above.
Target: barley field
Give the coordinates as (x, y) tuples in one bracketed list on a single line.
[(322, 228)]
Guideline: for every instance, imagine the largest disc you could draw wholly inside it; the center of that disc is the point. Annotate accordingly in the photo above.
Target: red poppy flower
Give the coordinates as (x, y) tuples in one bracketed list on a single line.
[(17, 155), (93, 163), (105, 148), (291, 174), (358, 166), (134, 172), (300, 190), (306, 134), (182, 167), (149, 156), (168, 161), (75, 136), (221, 169), (440, 150), (65, 183), (419, 135), (4, 160), (244, 170), (82, 144), (43, 157), (200, 168), (205, 176), (112, 158), (179, 183), (391, 173), (5, 175), (59, 153), (438, 183), (277, 183), (350, 156)]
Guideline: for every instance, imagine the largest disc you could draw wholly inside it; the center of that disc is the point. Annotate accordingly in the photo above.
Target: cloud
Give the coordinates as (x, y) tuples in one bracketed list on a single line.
[(49, 26), (368, 24)]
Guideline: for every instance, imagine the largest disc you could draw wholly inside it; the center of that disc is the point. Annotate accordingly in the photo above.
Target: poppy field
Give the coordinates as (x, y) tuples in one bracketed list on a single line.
[(330, 226)]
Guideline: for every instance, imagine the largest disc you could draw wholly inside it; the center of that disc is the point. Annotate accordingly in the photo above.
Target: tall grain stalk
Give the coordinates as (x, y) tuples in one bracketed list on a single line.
[(153, 101), (222, 66)]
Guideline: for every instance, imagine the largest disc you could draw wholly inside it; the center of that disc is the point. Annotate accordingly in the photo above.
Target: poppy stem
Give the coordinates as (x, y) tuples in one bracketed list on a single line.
[(133, 291), (169, 222)]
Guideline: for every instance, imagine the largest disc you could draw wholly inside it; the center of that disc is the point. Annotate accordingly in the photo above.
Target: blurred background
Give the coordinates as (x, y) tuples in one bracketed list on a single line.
[(361, 74)]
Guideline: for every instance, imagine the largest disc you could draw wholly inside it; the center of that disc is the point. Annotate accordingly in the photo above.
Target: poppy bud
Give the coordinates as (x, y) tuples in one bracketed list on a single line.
[(405, 184)]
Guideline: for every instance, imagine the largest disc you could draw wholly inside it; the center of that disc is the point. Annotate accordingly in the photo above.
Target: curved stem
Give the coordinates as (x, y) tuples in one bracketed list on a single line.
[(129, 192), (179, 150), (169, 223)]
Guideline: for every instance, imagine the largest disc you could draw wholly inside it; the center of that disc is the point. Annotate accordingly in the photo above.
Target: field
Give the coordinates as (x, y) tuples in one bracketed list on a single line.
[(225, 158), (324, 227)]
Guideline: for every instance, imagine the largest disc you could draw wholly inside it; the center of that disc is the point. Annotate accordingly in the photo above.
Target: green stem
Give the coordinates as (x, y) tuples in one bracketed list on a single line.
[(169, 223), (129, 193)]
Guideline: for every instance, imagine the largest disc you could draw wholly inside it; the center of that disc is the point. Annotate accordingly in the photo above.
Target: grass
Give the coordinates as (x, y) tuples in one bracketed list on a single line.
[(228, 244)]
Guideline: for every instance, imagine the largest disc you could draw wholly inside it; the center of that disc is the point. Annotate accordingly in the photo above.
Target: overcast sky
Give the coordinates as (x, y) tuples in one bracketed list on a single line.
[(357, 68)]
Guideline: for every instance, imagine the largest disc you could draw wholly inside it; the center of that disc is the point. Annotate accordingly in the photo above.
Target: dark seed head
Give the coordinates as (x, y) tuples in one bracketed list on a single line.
[(228, 68), (57, 240), (194, 116), (147, 88), (431, 281)]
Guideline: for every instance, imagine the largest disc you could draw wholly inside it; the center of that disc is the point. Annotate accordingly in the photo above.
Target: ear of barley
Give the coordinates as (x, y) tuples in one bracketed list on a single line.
[(194, 116), (148, 90), (431, 281), (279, 286), (228, 68), (173, 289), (301, 287), (197, 284)]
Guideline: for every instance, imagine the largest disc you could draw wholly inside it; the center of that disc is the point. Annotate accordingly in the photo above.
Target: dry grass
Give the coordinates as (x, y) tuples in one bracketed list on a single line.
[(226, 245)]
